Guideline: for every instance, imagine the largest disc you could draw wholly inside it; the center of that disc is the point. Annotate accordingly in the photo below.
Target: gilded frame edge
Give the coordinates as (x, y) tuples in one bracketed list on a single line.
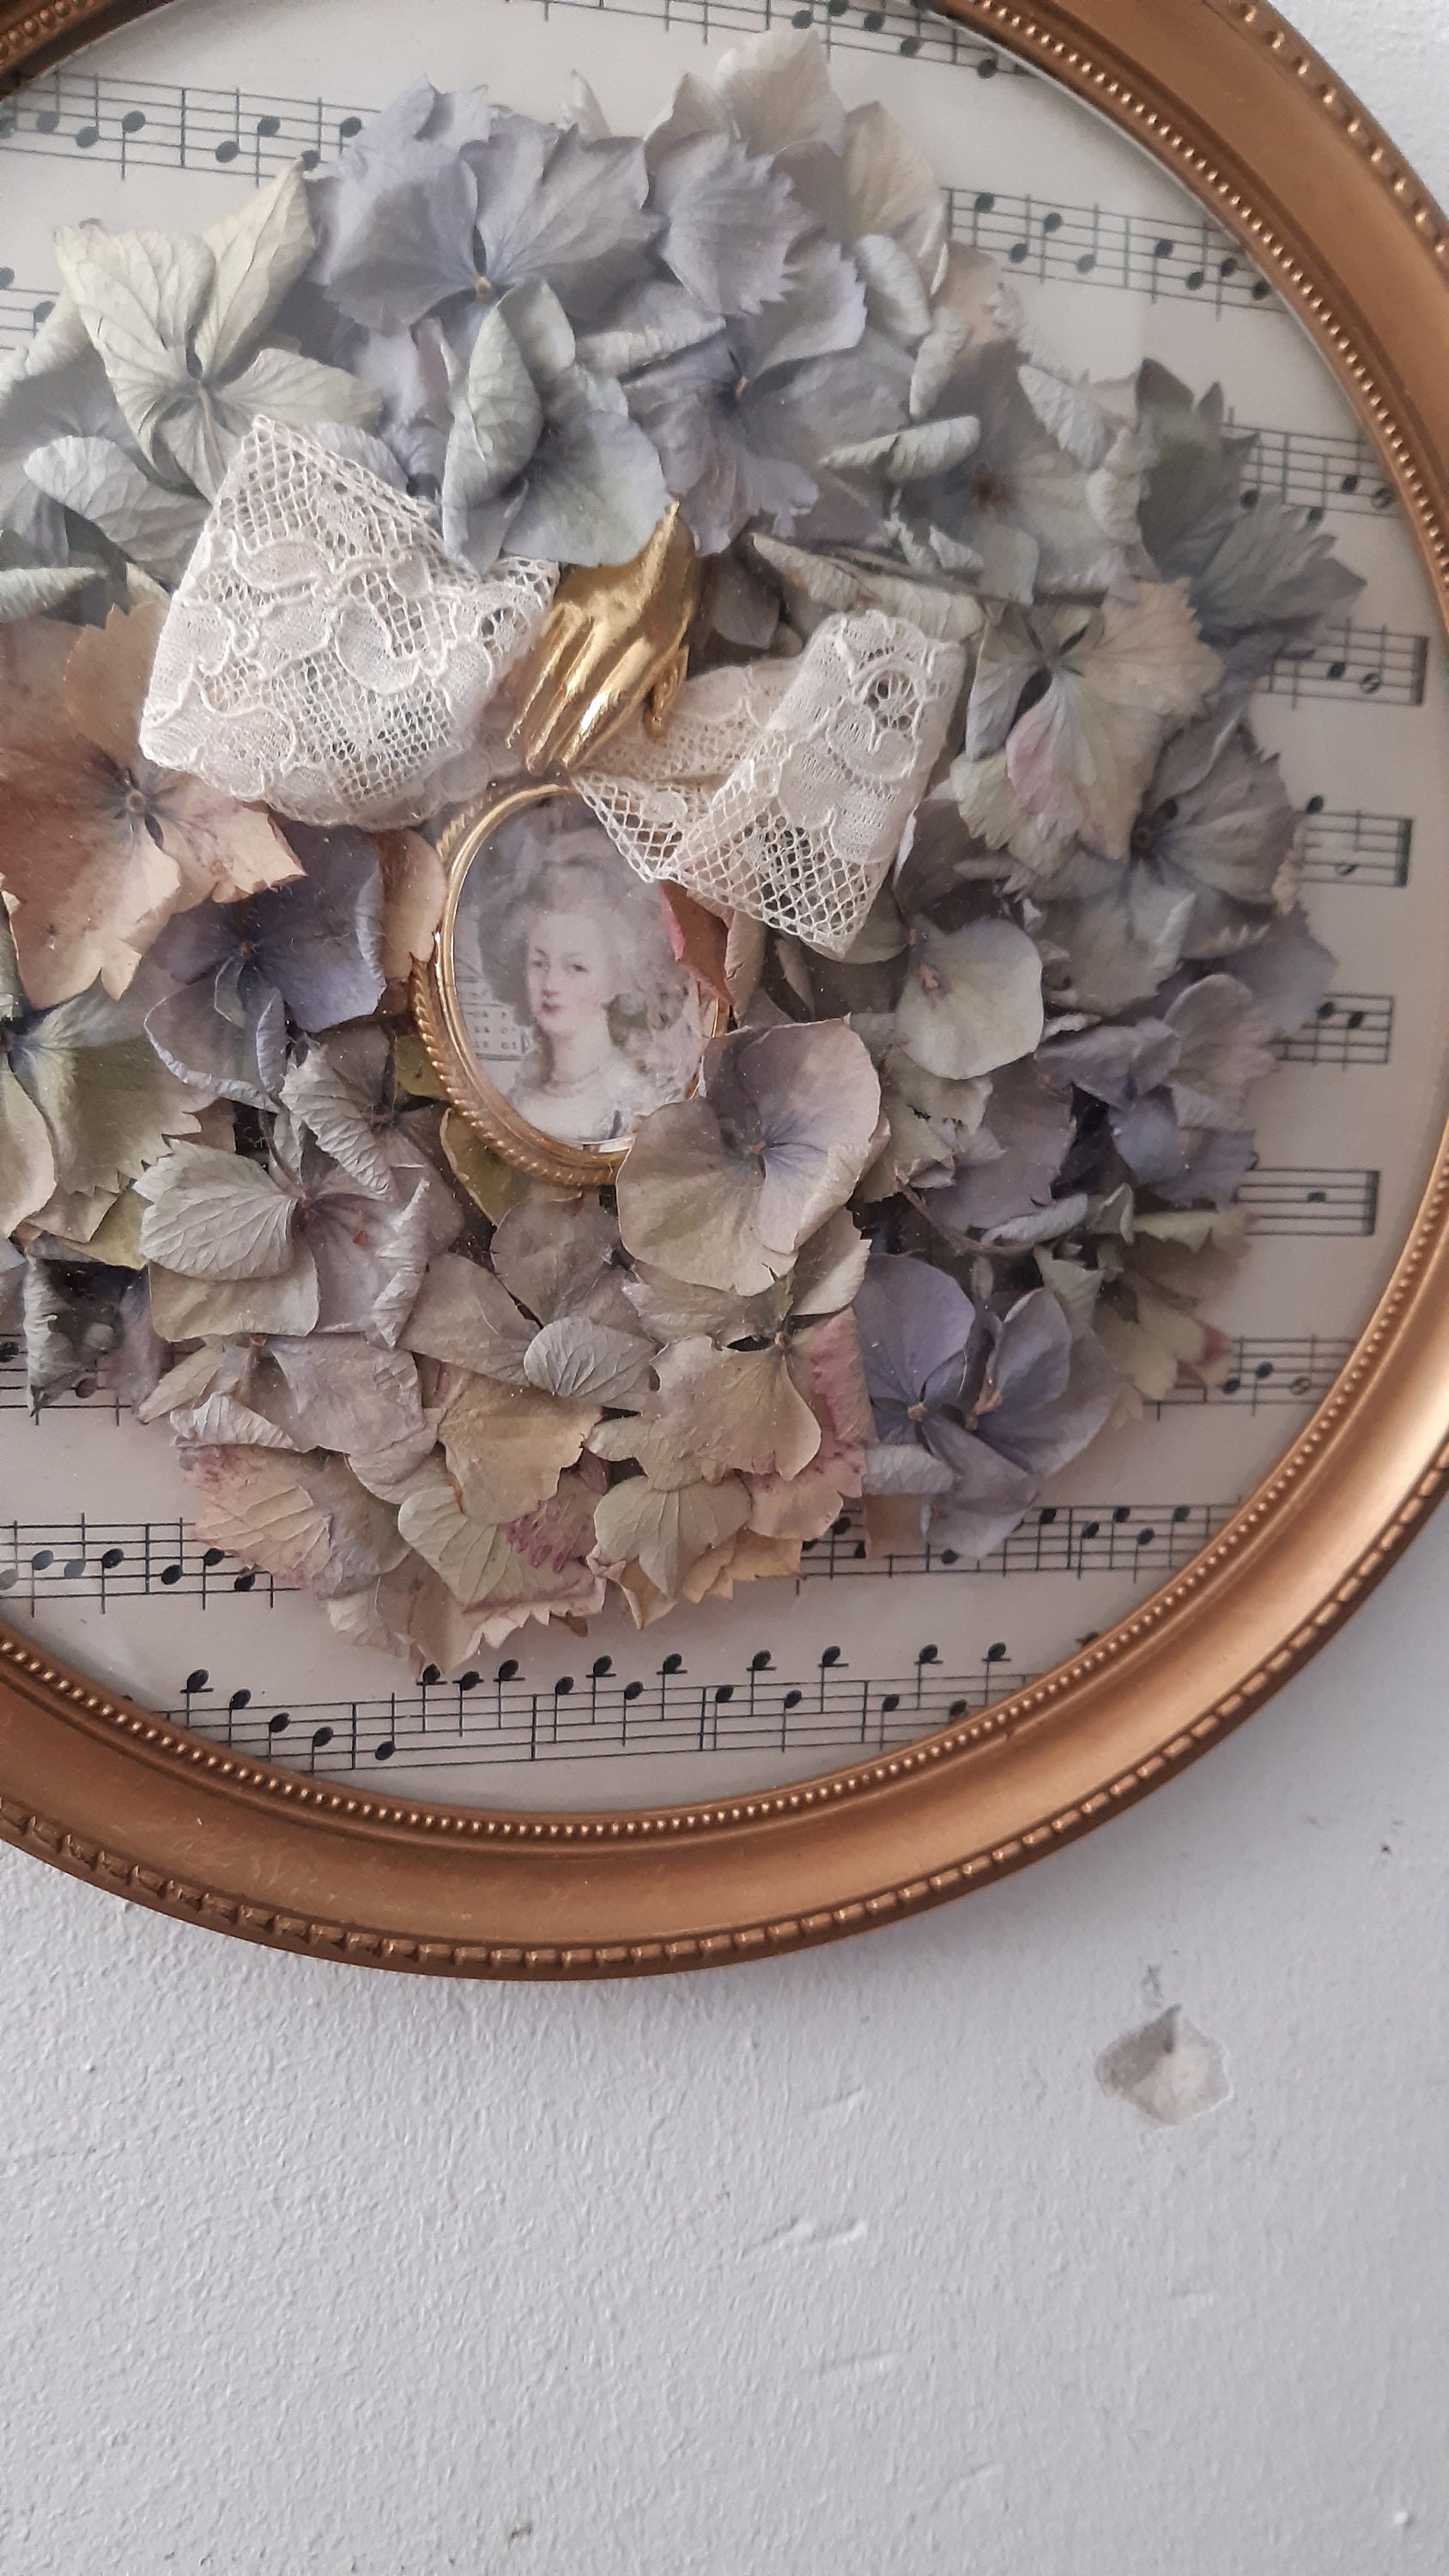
[(1214, 88)]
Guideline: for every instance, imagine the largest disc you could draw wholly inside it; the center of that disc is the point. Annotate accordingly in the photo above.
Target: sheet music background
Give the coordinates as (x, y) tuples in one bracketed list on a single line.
[(1117, 263)]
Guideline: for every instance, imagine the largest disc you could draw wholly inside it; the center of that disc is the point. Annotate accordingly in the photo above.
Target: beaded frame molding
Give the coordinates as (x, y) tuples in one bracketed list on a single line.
[(1238, 107)]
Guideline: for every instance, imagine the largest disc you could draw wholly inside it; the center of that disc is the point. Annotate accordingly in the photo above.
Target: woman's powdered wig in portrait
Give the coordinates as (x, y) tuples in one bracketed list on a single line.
[(556, 858)]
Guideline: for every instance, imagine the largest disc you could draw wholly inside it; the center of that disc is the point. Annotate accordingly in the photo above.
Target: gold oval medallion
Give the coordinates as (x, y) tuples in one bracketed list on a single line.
[(555, 1009)]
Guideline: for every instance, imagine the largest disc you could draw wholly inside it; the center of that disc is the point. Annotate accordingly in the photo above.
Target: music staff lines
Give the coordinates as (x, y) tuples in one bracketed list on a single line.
[(130, 124), (1075, 1539), (1368, 662), (15, 1395), (501, 1717), (1176, 259), (1317, 470), (109, 1561), (1355, 849), (1347, 1029), (1304, 1200), (1254, 1362), (1264, 1371)]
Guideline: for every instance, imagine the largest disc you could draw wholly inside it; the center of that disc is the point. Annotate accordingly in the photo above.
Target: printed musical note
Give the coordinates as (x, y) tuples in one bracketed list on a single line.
[(170, 126), (1317, 470), (1190, 260), (160, 124), (15, 1395), (505, 1718), (1355, 849), (1074, 1539), (109, 1561), (1264, 1372), (1313, 1202), (1346, 1029), (1368, 662)]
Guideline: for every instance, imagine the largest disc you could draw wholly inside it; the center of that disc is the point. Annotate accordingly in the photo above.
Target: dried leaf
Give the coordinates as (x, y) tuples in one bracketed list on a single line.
[(258, 254), (302, 1520), (224, 1309), (1080, 759), (222, 1421), (492, 1184), (336, 1391), (952, 615), (554, 1254), (27, 1165), (666, 1533), (732, 222), (497, 422), (216, 1216), (463, 1315), (675, 1309), (338, 1092), (829, 1269), (140, 297), (777, 91), (737, 1409), (972, 999), (151, 524), (507, 1446), (469, 1554), (591, 1363), (25, 591), (911, 455), (413, 886)]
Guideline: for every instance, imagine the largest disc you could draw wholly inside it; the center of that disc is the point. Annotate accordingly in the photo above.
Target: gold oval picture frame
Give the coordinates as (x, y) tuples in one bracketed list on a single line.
[(481, 965), (1233, 103)]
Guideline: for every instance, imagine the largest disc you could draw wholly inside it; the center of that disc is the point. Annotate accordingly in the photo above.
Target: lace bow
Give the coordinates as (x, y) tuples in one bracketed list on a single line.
[(323, 655)]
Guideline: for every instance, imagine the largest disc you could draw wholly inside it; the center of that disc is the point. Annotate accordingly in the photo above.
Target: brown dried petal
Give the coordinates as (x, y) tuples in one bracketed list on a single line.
[(666, 1532), (737, 1409), (507, 1446)]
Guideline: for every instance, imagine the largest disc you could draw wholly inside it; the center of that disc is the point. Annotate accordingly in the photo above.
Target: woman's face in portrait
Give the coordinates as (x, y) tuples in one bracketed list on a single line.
[(569, 973)]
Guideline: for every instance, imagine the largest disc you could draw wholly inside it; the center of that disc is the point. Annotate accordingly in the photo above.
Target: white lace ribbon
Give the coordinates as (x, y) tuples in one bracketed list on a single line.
[(784, 789), (323, 655)]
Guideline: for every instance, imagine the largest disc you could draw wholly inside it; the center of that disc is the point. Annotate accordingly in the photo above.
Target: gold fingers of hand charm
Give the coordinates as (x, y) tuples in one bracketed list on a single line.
[(615, 639)]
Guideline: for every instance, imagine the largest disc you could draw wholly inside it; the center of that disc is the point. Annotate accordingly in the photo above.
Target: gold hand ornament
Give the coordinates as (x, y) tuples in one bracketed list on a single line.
[(616, 638)]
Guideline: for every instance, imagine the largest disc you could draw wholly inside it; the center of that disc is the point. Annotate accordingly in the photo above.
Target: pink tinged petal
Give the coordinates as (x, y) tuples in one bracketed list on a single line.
[(106, 678), (222, 850), (829, 1368), (304, 1520), (413, 887)]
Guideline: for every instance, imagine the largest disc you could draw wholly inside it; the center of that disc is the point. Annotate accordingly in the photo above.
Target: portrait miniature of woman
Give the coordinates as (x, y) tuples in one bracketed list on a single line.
[(599, 1023)]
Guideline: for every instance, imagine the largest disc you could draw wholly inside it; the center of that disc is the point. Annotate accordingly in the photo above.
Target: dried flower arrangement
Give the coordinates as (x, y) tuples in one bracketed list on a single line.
[(955, 1185)]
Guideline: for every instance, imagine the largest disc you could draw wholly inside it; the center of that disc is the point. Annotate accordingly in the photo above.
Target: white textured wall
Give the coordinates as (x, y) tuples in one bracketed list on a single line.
[(838, 2267)]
